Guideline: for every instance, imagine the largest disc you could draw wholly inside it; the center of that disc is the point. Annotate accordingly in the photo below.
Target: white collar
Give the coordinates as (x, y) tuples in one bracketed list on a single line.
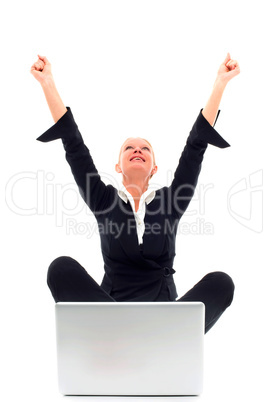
[(147, 196)]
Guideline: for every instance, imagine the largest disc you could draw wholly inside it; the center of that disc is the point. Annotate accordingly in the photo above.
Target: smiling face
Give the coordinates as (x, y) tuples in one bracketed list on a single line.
[(136, 158)]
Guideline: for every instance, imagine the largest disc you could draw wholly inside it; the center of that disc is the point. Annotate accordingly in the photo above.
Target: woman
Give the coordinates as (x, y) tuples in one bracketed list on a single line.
[(138, 224)]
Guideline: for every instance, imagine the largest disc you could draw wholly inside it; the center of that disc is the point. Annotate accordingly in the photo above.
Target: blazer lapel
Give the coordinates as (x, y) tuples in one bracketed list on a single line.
[(124, 218), (154, 236)]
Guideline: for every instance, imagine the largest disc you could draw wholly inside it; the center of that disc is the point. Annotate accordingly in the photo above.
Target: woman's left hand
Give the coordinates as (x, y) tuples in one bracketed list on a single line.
[(228, 70)]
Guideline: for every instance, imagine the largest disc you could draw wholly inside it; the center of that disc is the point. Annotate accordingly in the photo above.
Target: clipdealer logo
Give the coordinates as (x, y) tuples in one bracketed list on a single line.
[(36, 193), (245, 201), (45, 197)]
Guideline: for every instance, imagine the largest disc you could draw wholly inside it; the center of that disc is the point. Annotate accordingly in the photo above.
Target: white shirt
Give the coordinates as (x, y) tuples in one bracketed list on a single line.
[(146, 197)]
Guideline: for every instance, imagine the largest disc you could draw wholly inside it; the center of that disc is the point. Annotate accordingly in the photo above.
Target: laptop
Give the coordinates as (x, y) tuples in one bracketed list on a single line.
[(130, 348)]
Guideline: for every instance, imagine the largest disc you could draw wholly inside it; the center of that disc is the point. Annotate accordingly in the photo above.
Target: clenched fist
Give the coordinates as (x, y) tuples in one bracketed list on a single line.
[(228, 69), (41, 69)]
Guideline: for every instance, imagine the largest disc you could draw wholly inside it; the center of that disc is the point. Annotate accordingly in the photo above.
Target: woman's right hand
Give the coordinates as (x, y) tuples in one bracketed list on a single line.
[(41, 70)]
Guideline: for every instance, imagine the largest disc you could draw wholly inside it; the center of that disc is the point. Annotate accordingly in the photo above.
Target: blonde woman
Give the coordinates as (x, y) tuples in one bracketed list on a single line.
[(139, 224)]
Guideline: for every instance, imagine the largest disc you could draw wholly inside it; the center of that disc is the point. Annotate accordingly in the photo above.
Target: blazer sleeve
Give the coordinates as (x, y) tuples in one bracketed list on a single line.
[(186, 175), (97, 195)]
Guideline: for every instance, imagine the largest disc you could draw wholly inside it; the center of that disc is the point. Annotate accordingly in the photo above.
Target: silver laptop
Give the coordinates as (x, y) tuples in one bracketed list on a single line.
[(127, 348)]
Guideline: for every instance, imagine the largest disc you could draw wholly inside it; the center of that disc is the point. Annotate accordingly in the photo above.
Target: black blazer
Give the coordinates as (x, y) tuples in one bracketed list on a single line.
[(134, 273)]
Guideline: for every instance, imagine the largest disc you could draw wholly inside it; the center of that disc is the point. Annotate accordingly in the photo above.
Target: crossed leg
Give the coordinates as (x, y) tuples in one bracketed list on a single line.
[(216, 291), (70, 282)]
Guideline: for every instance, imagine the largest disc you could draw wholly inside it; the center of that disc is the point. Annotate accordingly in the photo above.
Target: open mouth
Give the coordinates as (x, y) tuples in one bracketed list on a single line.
[(137, 158)]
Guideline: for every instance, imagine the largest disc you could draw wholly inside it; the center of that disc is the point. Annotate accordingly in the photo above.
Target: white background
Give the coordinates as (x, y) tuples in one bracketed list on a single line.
[(133, 68)]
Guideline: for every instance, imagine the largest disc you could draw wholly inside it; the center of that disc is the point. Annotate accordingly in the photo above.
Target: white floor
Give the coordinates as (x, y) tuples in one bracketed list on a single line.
[(235, 359), (236, 351)]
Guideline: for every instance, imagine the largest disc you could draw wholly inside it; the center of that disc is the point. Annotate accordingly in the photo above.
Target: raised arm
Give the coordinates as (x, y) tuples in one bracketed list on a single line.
[(41, 70), (228, 70), (95, 193), (202, 134)]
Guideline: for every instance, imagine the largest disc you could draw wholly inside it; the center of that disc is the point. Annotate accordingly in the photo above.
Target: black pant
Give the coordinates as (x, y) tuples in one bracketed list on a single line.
[(70, 282)]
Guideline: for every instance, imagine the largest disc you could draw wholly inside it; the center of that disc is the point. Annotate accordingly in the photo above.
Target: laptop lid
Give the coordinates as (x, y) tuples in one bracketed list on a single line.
[(130, 348)]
